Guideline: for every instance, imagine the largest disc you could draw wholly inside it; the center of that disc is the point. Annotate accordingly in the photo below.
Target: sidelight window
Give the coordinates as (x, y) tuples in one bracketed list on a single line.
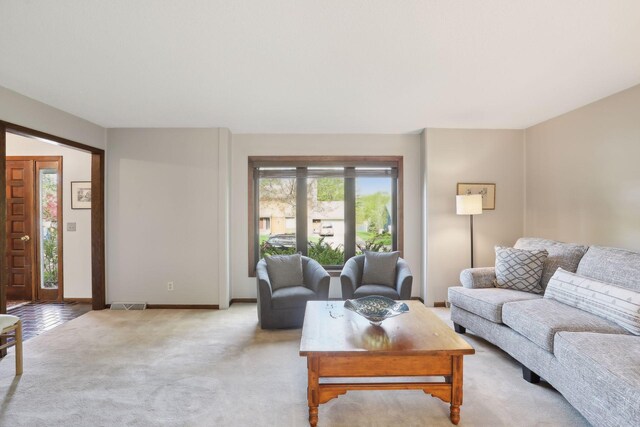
[(48, 220)]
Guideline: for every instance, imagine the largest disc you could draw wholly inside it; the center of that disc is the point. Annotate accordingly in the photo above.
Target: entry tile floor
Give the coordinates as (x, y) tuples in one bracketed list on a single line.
[(38, 317)]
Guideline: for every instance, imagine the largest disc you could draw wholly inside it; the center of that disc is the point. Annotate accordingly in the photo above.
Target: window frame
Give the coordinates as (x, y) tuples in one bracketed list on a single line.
[(321, 161)]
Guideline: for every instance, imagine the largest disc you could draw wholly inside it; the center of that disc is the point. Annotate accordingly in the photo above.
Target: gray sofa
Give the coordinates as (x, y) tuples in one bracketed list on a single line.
[(284, 307), (592, 361)]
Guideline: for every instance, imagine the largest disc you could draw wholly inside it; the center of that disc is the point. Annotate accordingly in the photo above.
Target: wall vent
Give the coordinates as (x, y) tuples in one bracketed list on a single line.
[(128, 305)]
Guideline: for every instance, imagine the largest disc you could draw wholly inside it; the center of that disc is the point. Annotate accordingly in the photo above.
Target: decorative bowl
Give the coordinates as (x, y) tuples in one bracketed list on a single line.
[(376, 308)]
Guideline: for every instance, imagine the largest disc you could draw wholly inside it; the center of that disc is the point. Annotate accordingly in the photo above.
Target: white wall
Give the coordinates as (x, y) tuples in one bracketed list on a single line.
[(459, 155), (76, 166), (162, 215), (583, 174), (245, 145), (21, 110)]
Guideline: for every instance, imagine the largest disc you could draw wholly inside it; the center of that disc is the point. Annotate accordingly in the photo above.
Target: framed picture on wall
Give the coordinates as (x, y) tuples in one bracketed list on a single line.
[(80, 194), (488, 192)]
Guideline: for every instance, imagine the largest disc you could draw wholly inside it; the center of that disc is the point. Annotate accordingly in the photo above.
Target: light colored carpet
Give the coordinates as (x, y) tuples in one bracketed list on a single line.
[(217, 368)]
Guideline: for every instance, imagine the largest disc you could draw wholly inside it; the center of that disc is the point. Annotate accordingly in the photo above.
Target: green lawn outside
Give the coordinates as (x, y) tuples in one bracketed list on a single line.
[(385, 239)]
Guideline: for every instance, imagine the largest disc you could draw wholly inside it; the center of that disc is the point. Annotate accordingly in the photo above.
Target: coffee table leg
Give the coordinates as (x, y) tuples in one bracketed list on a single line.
[(456, 389), (313, 396)]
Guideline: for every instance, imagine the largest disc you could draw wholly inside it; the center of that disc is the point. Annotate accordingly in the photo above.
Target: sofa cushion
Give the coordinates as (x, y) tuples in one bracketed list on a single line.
[(380, 268), (284, 270), (609, 363), (519, 269), (620, 305), (612, 265), (486, 302), (291, 297), (564, 255), (383, 290), (539, 320)]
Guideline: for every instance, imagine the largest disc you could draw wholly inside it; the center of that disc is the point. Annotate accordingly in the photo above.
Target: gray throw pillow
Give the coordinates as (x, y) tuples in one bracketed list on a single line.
[(380, 268), (284, 270), (520, 269)]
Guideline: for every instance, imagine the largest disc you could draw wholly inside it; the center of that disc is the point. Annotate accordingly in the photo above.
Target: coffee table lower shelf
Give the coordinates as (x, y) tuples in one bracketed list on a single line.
[(323, 365)]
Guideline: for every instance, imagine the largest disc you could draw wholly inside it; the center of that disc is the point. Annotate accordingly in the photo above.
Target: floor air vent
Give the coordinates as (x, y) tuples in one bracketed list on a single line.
[(128, 305)]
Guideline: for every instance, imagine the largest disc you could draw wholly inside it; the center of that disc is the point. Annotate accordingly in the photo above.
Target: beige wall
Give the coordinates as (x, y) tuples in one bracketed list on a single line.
[(162, 216), (583, 174), (245, 145), (21, 110), (76, 166), (454, 156)]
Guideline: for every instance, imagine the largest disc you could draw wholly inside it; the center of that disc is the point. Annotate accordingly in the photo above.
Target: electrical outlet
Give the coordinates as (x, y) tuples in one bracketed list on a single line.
[(170, 286)]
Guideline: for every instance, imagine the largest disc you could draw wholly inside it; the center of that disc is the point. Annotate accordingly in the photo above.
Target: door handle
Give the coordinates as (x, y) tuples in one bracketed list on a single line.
[(25, 238)]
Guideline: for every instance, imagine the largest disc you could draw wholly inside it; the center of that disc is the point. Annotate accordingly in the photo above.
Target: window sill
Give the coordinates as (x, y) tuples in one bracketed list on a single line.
[(332, 272)]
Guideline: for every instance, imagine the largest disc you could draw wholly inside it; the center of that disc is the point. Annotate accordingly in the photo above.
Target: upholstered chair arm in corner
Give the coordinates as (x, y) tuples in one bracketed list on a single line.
[(404, 279), (349, 279), (264, 287), (482, 277), (317, 279)]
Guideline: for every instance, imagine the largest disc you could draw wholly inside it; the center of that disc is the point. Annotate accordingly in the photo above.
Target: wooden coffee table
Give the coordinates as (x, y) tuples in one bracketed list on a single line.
[(339, 343)]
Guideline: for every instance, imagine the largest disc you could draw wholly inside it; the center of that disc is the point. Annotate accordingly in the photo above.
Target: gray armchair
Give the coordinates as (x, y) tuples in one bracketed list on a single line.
[(284, 307), (352, 286)]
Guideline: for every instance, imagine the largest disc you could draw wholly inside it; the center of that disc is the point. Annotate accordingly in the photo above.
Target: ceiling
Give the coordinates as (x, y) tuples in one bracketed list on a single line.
[(333, 66)]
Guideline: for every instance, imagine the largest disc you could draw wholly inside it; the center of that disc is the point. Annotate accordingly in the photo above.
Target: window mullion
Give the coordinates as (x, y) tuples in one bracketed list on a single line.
[(349, 213), (256, 218), (301, 210), (394, 214)]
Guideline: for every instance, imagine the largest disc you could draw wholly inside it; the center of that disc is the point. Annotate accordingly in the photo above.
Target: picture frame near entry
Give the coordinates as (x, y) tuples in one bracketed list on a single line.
[(80, 194), (487, 190)]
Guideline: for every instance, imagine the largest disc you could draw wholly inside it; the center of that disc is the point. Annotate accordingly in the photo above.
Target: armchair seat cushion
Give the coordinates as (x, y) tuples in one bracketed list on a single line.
[(291, 297), (7, 320), (382, 290)]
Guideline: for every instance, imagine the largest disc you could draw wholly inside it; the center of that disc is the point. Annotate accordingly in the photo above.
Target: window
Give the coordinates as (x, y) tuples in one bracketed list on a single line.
[(328, 209), (48, 220)]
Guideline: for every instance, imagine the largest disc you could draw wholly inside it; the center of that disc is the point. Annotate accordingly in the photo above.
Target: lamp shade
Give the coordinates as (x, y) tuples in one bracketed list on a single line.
[(469, 204)]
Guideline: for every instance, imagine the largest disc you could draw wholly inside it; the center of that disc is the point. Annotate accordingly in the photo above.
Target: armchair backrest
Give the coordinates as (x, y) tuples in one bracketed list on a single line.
[(359, 261), (308, 266)]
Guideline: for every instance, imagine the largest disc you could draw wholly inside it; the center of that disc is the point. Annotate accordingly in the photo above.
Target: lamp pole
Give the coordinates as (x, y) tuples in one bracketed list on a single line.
[(471, 226)]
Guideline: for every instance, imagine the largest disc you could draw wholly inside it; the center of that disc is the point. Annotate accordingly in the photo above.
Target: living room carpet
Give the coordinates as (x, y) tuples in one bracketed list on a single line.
[(218, 368)]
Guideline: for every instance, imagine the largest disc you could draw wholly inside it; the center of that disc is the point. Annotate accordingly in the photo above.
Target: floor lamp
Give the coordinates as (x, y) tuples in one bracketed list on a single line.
[(469, 204)]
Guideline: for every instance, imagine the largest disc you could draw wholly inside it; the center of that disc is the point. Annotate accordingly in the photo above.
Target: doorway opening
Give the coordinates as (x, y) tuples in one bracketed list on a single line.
[(96, 212)]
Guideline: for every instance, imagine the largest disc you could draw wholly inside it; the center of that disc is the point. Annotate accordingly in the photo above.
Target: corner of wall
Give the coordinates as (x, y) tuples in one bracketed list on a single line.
[(424, 217), (224, 225), (524, 182)]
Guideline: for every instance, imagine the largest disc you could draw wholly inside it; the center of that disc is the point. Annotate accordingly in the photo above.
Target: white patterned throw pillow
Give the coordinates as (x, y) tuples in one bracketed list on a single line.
[(519, 269), (617, 304)]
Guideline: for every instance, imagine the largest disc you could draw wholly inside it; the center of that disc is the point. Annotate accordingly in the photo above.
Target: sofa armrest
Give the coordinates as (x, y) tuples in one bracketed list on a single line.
[(482, 277), (349, 279), (317, 279), (404, 279)]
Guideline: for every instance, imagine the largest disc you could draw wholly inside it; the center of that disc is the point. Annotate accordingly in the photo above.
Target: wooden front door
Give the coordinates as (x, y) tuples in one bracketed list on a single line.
[(19, 228), (34, 241)]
